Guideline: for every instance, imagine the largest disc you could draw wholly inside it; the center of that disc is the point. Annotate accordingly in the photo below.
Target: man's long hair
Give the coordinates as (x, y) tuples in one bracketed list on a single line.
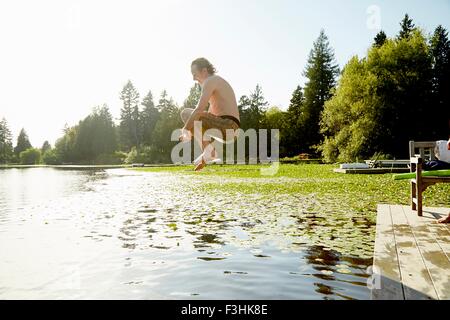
[(204, 63)]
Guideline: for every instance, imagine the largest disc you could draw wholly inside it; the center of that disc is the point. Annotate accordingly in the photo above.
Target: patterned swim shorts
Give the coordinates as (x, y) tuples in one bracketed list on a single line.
[(211, 121)]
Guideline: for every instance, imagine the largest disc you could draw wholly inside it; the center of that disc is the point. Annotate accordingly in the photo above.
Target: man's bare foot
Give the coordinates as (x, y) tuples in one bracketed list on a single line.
[(200, 166), (444, 220)]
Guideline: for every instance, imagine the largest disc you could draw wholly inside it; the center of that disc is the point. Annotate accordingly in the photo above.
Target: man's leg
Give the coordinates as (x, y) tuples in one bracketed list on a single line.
[(444, 220), (209, 121), (185, 114)]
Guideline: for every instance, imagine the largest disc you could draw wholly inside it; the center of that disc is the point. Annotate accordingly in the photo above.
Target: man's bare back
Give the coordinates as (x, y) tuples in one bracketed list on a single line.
[(223, 100)]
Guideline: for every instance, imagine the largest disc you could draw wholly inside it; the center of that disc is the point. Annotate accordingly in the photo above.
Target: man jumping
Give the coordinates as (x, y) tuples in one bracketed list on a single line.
[(223, 111)]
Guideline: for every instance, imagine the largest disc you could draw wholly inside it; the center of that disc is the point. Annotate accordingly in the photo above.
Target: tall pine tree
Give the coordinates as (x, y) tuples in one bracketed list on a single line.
[(293, 135), (168, 121), (258, 106), (23, 143), (407, 27), (252, 109), (149, 117), (321, 72), (440, 55), (130, 129)]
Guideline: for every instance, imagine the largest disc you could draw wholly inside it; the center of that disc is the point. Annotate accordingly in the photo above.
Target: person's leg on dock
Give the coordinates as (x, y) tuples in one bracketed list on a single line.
[(444, 220)]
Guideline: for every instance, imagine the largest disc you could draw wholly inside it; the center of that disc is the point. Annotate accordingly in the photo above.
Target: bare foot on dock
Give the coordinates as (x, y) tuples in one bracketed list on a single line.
[(200, 166), (444, 220)]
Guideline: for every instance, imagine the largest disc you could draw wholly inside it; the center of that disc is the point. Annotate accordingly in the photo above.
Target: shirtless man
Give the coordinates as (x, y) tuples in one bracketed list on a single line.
[(223, 111)]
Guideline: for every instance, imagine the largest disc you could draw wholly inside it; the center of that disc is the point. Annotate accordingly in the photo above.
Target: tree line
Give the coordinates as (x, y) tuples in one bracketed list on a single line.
[(399, 91)]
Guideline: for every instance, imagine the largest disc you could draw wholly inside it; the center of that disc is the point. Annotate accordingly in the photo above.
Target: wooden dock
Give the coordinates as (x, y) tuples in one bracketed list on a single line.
[(411, 255)]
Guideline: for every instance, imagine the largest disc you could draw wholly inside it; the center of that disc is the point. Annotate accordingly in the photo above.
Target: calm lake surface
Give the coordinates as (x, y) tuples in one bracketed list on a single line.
[(122, 234)]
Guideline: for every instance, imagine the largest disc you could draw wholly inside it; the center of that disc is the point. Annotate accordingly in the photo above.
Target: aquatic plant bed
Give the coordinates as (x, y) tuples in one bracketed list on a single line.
[(334, 210)]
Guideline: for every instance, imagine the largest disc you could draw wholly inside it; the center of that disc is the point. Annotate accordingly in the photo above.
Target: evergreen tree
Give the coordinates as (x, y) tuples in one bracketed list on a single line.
[(193, 98), (95, 135), (46, 146), (130, 129), (258, 107), (6, 148), (293, 135), (168, 121), (104, 139), (440, 55), (149, 116), (407, 26), (65, 147), (380, 39), (321, 72), (244, 113), (23, 143), (251, 109)]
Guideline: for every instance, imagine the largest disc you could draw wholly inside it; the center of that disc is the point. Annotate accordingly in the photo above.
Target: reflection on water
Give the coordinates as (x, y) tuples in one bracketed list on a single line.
[(134, 235)]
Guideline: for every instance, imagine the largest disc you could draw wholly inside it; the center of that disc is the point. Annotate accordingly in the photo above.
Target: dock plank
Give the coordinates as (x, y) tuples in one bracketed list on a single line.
[(416, 280), (385, 259), (412, 253), (442, 237), (435, 259)]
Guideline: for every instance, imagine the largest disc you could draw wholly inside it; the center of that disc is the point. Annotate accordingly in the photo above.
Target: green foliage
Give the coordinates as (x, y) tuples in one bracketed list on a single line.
[(379, 103), (111, 158), (321, 72), (146, 154), (193, 97), (85, 142), (65, 146), (50, 157), (407, 27), (169, 120), (440, 55), (23, 143), (96, 135), (45, 146), (30, 156), (149, 117), (252, 109), (380, 39), (292, 133), (130, 129), (6, 148), (274, 118)]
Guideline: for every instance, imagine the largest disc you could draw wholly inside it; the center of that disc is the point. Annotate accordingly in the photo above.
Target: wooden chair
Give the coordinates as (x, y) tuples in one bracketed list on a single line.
[(419, 183)]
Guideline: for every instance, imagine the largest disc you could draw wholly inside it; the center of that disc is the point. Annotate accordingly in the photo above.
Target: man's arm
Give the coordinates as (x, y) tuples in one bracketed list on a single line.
[(207, 91)]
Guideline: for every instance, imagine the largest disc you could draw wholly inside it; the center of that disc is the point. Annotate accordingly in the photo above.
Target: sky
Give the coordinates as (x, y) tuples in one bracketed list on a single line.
[(59, 59)]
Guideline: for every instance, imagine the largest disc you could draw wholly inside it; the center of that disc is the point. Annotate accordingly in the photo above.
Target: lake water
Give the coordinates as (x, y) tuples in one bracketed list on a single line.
[(122, 234)]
